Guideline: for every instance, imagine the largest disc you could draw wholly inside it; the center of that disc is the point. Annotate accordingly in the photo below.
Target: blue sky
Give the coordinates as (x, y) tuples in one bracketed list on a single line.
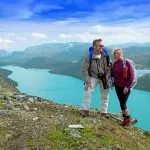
[(25, 23)]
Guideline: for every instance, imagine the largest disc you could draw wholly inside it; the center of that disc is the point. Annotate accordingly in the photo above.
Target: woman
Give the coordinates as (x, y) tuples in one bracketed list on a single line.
[(123, 78)]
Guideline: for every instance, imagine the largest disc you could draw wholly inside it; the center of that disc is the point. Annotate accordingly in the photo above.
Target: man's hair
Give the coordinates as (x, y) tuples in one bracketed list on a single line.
[(95, 41)]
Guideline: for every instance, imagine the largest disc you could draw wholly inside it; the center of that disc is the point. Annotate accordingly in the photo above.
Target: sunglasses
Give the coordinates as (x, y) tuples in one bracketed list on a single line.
[(101, 45)]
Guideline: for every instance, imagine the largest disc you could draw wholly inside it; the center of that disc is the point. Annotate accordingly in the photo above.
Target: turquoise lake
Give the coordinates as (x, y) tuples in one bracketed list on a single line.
[(68, 90)]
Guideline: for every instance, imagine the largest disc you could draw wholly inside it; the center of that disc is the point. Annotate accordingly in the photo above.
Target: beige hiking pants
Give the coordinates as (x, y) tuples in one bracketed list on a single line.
[(103, 92)]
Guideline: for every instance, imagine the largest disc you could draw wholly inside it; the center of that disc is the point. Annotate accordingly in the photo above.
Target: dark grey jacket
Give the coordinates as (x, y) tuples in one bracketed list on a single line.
[(97, 66)]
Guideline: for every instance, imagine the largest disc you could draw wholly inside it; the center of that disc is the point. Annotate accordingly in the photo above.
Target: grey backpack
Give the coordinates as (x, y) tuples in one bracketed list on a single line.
[(134, 82)]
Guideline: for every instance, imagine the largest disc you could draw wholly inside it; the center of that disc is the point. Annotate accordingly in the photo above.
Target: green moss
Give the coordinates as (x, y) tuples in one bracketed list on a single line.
[(108, 141), (58, 135), (64, 137), (1, 105), (74, 112), (3, 132), (87, 133), (30, 142)]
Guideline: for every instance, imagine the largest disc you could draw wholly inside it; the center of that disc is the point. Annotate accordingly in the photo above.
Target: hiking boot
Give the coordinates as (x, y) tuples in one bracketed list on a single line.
[(84, 113), (126, 122), (106, 115)]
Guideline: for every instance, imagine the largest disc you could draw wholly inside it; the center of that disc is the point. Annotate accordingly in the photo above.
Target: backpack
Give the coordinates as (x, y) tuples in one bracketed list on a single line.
[(91, 51), (134, 82)]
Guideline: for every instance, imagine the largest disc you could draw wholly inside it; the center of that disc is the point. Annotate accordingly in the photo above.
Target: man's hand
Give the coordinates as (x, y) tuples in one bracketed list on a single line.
[(125, 90), (87, 86)]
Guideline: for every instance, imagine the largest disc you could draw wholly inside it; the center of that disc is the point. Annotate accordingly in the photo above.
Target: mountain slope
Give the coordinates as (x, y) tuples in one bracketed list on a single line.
[(29, 122)]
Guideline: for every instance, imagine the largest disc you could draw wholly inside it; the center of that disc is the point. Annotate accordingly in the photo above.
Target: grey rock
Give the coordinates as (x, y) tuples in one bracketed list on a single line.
[(26, 107), (116, 147), (35, 118), (31, 99), (34, 109), (1, 97), (60, 120), (75, 133), (147, 133), (103, 148), (9, 105), (3, 112), (20, 96), (17, 109)]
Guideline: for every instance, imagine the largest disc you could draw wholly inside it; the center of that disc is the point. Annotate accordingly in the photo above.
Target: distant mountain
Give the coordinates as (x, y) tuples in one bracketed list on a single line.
[(125, 45), (3, 53), (140, 55), (39, 62), (57, 50), (71, 69), (54, 66), (63, 51), (66, 58), (73, 53), (138, 49), (14, 58)]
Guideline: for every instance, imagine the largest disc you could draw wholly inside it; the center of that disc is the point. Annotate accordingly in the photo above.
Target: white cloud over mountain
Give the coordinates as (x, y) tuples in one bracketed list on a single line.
[(39, 35)]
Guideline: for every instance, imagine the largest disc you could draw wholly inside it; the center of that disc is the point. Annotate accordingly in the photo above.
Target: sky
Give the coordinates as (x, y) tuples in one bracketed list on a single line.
[(25, 23)]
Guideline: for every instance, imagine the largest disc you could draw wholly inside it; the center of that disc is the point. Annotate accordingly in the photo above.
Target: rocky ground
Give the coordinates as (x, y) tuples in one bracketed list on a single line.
[(33, 123)]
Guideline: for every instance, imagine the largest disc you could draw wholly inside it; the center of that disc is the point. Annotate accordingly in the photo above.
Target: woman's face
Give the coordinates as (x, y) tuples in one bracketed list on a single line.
[(118, 54)]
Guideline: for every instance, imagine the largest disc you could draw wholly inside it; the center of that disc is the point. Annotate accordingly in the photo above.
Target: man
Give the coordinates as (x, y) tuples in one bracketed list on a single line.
[(96, 71)]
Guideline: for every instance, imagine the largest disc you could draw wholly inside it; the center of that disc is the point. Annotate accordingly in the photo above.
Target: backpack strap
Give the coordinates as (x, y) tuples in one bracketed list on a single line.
[(124, 63), (91, 51), (107, 60), (105, 51)]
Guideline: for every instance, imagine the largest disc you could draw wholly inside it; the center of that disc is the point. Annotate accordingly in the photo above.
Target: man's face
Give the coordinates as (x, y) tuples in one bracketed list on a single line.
[(98, 47)]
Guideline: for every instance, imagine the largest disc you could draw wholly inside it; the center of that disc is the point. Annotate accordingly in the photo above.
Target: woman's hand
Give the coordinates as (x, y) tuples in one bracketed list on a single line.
[(125, 90), (87, 86)]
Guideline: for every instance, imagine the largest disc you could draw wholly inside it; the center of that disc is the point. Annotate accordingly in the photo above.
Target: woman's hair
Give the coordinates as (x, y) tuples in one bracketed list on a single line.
[(114, 51)]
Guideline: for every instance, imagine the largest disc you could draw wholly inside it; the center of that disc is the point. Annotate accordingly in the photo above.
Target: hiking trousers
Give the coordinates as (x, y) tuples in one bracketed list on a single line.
[(103, 93), (122, 97)]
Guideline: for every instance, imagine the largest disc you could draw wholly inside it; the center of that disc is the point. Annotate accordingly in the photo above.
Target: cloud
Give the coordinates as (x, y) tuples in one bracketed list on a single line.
[(80, 37), (102, 12), (77, 3), (5, 43), (16, 9), (128, 32), (11, 34), (26, 9), (23, 14), (66, 22), (74, 31), (39, 35), (21, 39), (117, 12), (45, 7)]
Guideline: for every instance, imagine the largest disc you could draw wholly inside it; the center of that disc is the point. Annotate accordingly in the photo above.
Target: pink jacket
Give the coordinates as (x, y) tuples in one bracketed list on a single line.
[(118, 69)]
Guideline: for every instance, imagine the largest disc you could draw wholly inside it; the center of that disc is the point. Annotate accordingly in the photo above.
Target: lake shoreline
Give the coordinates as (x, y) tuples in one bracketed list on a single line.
[(139, 86)]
